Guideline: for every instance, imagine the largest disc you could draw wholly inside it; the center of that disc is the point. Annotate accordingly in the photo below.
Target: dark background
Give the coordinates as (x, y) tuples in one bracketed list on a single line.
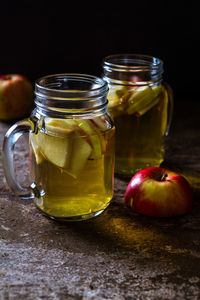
[(40, 38)]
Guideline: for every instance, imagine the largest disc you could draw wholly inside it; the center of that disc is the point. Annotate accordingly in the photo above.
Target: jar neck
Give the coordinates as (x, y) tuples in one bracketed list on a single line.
[(66, 114), (70, 95), (132, 69)]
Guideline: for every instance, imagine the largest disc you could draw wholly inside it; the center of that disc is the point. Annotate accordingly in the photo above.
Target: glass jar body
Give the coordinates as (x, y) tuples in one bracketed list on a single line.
[(72, 166), (140, 104)]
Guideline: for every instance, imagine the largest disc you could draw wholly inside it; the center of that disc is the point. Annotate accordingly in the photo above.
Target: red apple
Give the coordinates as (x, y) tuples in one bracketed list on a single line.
[(16, 96), (159, 192)]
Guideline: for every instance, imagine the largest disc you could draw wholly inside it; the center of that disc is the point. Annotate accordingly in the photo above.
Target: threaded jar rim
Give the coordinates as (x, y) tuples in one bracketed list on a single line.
[(132, 62), (70, 91)]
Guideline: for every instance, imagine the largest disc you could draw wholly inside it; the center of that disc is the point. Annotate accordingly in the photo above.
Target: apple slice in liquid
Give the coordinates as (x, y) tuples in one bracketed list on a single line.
[(63, 145), (142, 98), (80, 153), (38, 155), (56, 149), (92, 138)]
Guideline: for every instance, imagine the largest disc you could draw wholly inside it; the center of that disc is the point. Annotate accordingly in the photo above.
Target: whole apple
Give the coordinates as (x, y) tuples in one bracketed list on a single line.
[(16, 97), (159, 192)]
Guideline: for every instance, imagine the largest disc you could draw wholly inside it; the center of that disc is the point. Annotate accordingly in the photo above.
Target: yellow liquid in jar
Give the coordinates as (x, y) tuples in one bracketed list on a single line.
[(84, 186), (140, 135)]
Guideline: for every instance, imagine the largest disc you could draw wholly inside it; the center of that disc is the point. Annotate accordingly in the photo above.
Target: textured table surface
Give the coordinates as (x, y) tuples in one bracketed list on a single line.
[(117, 255)]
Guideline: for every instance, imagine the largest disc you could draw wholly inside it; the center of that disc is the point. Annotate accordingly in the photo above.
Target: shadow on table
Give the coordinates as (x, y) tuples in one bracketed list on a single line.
[(119, 230)]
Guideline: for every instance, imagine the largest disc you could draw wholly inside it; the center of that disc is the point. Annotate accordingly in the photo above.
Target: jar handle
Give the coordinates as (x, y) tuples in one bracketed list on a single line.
[(10, 139), (170, 106)]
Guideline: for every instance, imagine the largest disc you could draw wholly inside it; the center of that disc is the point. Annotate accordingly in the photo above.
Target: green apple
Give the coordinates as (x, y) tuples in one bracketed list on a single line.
[(16, 97)]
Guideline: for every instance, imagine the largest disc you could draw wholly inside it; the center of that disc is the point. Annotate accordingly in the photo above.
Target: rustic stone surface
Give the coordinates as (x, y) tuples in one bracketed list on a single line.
[(118, 255)]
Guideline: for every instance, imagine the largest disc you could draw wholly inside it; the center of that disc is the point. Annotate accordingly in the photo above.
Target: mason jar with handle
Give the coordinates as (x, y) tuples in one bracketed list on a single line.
[(71, 144), (141, 105)]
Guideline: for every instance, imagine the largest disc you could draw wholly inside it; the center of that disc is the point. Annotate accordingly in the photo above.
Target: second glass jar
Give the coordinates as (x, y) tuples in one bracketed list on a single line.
[(141, 106)]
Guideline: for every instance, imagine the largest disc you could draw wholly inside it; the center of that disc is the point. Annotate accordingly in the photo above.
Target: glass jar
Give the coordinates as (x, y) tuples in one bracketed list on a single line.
[(141, 105), (71, 142)]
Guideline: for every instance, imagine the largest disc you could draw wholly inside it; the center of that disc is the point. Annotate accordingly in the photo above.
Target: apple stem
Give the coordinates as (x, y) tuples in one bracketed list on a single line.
[(163, 177)]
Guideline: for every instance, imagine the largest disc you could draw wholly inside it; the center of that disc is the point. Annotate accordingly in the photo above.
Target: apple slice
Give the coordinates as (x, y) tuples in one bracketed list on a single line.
[(80, 154), (68, 143), (64, 146), (118, 96), (164, 97), (92, 137), (60, 126), (101, 125), (38, 156), (56, 142), (56, 149), (148, 107), (113, 97), (141, 98)]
